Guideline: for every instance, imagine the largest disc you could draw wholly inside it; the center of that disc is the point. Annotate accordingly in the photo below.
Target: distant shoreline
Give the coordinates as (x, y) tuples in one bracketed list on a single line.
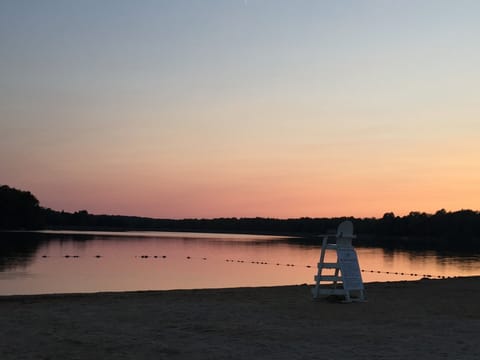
[(442, 230), (125, 230), (413, 243)]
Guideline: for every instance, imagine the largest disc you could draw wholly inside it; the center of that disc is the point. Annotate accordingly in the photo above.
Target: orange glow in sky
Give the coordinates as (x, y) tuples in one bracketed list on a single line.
[(219, 109)]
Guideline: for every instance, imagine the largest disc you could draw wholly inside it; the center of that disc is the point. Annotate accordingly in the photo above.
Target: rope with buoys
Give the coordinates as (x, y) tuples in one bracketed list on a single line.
[(256, 262)]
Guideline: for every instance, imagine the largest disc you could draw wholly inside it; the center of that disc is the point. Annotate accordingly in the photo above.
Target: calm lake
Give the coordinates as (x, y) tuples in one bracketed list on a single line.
[(66, 262)]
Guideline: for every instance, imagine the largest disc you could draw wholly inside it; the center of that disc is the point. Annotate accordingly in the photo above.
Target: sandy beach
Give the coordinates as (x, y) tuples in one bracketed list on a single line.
[(427, 319)]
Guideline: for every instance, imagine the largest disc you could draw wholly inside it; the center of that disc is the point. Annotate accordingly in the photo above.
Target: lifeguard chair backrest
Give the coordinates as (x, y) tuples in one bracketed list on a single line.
[(345, 234)]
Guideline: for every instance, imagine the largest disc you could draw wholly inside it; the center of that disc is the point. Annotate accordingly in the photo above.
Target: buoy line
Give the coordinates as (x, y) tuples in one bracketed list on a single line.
[(256, 262)]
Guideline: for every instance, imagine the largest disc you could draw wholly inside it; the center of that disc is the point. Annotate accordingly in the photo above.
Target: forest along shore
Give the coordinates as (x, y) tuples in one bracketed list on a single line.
[(428, 318), (457, 230)]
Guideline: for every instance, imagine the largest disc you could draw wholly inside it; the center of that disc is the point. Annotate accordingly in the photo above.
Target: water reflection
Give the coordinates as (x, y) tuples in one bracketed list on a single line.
[(17, 250), (43, 262)]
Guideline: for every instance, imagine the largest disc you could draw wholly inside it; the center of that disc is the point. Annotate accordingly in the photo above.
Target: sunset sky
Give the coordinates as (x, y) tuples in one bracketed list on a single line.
[(180, 109)]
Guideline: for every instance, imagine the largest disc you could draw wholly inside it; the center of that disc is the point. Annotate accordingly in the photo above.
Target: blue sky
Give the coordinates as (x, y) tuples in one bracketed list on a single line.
[(241, 108)]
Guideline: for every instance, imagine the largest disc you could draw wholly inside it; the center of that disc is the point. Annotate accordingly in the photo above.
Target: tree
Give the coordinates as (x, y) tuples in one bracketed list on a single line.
[(19, 209)]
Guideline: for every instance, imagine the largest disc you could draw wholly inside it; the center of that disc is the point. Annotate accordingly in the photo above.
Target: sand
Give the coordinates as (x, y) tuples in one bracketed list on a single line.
[(427, 319)]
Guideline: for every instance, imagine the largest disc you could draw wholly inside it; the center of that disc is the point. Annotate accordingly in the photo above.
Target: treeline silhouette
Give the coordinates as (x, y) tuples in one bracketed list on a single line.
[(19, 209), (453, 230)]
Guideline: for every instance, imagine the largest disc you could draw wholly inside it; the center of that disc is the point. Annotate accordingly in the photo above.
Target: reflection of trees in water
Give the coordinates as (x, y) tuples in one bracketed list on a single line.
[(19, 249), (464, 260), (417, 250)]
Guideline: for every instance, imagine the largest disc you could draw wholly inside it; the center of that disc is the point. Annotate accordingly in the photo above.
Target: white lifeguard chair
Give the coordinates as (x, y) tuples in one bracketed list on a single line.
[(342, 277)]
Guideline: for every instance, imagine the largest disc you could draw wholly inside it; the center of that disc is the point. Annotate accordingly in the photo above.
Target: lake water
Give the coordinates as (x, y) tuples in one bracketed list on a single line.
[(66, 262)]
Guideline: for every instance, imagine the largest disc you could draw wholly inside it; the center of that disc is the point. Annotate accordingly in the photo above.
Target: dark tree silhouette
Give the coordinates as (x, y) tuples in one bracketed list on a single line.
[(417, 230), (19, 209)]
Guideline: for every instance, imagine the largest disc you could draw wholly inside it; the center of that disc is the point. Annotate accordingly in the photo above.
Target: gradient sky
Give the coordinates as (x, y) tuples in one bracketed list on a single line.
[(241, 108)]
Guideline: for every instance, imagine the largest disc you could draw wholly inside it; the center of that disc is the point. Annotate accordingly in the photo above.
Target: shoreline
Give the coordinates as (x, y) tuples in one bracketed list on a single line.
[(412, 243), (179, 291), (428, 318)]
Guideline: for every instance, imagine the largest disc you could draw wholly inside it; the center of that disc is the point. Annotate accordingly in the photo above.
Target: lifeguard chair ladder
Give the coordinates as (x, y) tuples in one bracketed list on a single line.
[(346, 279)]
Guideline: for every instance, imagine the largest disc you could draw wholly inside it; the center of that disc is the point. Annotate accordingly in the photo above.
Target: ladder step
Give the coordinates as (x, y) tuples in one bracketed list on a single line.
[(327, 278), (330, 246), (328, 266)]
